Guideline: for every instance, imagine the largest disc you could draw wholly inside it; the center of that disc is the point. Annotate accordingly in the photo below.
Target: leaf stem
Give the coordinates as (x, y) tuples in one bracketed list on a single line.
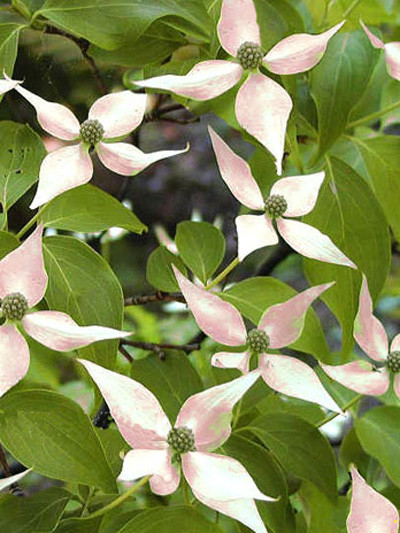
[(351, 8), (121, 499), (223, 274), (345, 408), (373, 116), (34, 219)]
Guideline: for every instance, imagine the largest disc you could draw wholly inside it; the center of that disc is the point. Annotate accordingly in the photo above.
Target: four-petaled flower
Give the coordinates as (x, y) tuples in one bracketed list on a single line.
[(262, 106), (279, 326), (23, 282), (294, 196), (370, 512), (362, 376), (160, 450), (111, 117), (392, 52)]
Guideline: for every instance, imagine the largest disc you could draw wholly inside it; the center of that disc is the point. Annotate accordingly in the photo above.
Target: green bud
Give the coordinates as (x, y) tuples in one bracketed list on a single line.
[(393, 362), (250, 55), (91, 132), (275, 206), (181, 440), (14, 306), (258, 341)]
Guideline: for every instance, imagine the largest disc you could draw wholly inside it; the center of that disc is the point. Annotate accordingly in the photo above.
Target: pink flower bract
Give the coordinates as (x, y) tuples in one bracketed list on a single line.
[(392, 52)]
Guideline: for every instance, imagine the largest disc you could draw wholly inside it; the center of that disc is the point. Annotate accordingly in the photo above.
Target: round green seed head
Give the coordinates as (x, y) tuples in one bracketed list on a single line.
[(181, 440), (91, 132), (275, 206), (393, 362), (250, 55), (14, 306), (258, 341)]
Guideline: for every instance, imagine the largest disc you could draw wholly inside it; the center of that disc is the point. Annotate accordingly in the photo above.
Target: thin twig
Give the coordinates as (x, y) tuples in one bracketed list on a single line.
[(125, 353), (157, 347), (159, 296), (3, 462)]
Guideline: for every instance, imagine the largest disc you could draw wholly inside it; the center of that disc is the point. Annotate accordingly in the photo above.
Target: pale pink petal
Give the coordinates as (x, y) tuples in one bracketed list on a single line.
[(310, 242), (300, 192), (218, 319), (395, 345), (22, 270), (8, 84), (262, 109), (360, 377), (136, 411), (370, 512), (237, 24), (236, 173), (7, 481), (368, 330), (219, 477), (284, 322), (299, 52), (232, 360), (254, 232), (54, 118), (157, 463), (375, 41), (14, 357), (128, 160), (205, 81), (292, 377), (208, 413), (59, 332), (62, 170), (392, 53), (119, 113)]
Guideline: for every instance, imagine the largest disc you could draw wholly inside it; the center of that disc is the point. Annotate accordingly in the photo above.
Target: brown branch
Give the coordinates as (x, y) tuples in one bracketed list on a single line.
[(83, 45), (3, 462), (159, 348), (159, 296), (159, 114), (125, 353)]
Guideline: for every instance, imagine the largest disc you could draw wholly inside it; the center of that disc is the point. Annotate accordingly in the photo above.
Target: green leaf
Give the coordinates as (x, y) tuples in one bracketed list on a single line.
[(9, 35), (40, 512), (159, 271), (115, 22), (201, 247), (79, 525), (338, 83), (300, 448), (254, 296), (267, 475), (21, 154), (89, 209), (349, 214), (50, 433), (169, 520), (277, 20), (8, 243), (324, 515), (82, 284), (379, 433)]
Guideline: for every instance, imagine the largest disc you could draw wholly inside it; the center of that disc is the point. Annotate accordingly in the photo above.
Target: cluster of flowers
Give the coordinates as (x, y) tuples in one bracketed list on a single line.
[(203, 424)]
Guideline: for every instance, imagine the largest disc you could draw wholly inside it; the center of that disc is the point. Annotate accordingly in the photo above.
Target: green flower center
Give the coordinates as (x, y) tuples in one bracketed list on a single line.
[(393, 362), (181, 440), (250, 55), (275, 206), (91, 132), (14, 306), (258, 341)]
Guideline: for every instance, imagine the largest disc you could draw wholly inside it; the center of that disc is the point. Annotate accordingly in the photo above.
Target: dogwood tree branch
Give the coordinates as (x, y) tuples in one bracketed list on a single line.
[(160, 347), (159, 296)]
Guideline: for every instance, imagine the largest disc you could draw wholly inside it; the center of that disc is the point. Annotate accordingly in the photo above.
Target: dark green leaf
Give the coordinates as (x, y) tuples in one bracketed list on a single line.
[(159, 271), (324, 515), (201, 247), (79, 525), (89, 209), (50, 433), (83, 285), (9, 35), (8, 243)]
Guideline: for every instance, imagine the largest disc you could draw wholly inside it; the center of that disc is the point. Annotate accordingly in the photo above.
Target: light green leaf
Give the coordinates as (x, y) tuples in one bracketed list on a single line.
[(89, 209), (171, 380), (82, 284), (9, 35), (254, 296), (324, 515), (379, 433), (50, 433), (201, 247), (40, 512), (349, 214), (21, 153), (159, 271), (8, 243)]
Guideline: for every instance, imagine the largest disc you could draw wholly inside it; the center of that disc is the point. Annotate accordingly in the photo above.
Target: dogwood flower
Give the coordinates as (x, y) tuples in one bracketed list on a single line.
[(289, 197), (8, 481), (392, 52), (23, 282), (110, 117), (279, 326), (370, 512), (162, 451), (362, 376), (262, 106)]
